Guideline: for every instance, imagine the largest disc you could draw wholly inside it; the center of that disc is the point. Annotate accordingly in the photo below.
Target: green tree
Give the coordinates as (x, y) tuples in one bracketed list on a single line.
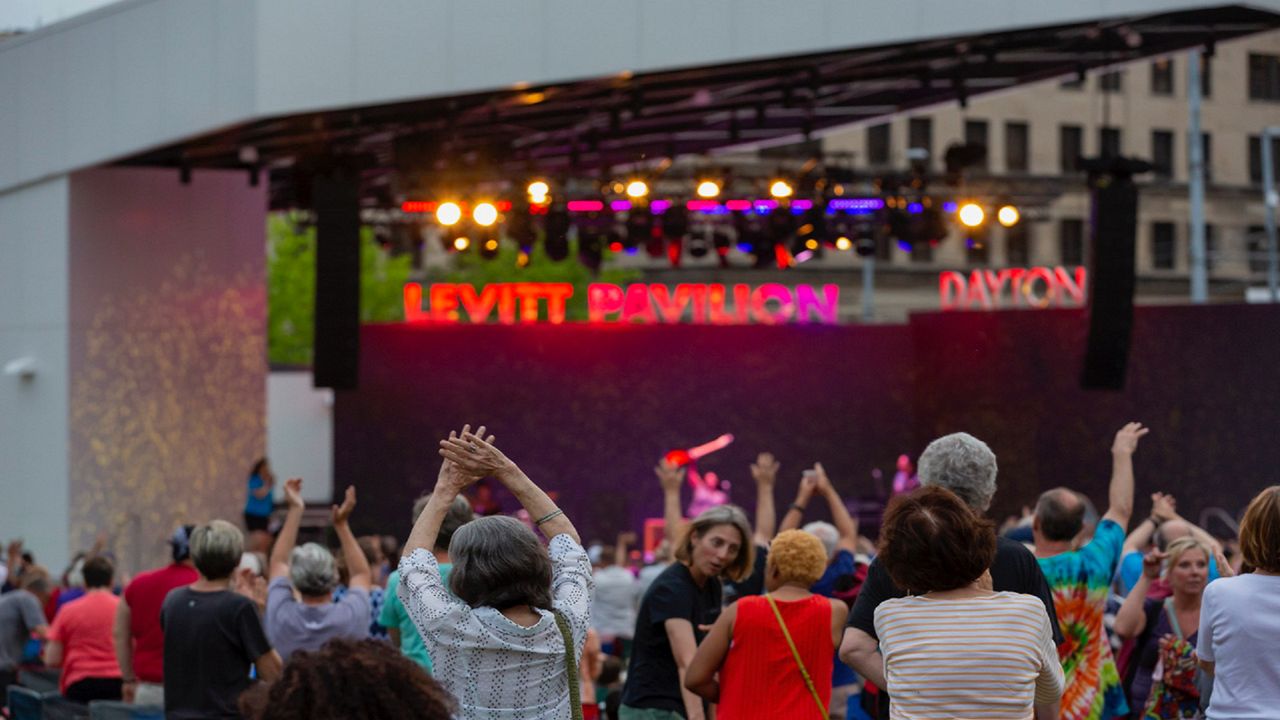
[(291, 286)]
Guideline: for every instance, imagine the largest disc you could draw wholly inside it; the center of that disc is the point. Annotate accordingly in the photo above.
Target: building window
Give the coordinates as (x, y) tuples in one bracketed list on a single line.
[(1071, 241), (1112, 81), (878, 137), (1206, 141), (975, 133), (1070, 147), (1256, 242), (1206, 76), (1163, 245), (1210, 246), (920, 136), (1162, 77), (1162, 153), (1255, 159), (1017, 245), (1016, 142), (1264, 77), (1109, 142)]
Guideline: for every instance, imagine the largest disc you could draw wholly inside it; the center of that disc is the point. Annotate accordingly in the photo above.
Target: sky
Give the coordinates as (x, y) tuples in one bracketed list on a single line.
[(31, 14)]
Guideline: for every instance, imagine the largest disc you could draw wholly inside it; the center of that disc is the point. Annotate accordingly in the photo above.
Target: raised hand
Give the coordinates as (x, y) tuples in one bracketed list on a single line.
[(808, 486), (474, 455), (340, 513), (765, 469), (670, 476), (293, 493), (1163, 507), (1152, 563), (1126, 442), (820, 475)]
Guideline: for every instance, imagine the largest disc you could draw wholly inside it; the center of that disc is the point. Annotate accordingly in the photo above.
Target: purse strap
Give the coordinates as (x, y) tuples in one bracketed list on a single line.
[(570, 667), (808, 681)]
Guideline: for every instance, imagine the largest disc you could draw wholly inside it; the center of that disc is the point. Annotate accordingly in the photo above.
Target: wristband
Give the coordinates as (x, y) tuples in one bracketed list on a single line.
[(797, 507), (554, 513)]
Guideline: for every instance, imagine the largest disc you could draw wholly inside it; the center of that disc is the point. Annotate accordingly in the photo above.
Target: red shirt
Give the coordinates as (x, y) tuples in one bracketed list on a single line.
[(83, 626), (145, 595), (759, 678)]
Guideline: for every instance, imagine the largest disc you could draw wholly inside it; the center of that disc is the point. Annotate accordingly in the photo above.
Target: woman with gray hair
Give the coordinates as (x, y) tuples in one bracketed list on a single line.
[(507, 640), (307, 623)]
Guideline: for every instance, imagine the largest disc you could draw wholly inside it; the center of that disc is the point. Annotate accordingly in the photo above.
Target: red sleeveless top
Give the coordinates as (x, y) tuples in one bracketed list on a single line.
[(759, 678)]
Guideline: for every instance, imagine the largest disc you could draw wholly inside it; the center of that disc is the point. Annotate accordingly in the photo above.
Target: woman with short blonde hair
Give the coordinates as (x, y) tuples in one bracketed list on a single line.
[(774, 652)]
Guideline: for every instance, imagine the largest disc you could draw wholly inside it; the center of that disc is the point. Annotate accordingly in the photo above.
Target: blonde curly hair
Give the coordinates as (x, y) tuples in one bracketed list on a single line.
[(798, 556)]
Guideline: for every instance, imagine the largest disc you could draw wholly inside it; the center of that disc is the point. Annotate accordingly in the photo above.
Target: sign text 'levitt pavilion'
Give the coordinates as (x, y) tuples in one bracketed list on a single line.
[(699, 303)]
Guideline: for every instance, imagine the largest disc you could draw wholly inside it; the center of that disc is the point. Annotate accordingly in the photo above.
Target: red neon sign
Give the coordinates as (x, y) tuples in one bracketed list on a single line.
[(1037, 287), (698, 303)]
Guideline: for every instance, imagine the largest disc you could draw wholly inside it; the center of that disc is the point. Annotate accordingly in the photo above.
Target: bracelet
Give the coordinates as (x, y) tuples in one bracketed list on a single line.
[(554, 513), (797, 507)]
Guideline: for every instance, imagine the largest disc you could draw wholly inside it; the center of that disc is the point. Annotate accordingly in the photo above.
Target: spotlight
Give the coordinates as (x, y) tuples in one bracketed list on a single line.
[(637, 189), (538, 188), (811, 244), (708, 189), (449, 213), (971, 215), (1008, 215), (780, 189), (461, 243), (489, 248), (485, 214), (843, 243)]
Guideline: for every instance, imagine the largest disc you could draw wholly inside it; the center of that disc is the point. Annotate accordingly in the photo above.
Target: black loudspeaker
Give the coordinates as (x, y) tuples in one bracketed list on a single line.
[(1112, 277), (336, 202)]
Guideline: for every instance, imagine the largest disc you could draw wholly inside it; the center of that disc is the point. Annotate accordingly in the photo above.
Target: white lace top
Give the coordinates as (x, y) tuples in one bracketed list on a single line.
[(496, 669)]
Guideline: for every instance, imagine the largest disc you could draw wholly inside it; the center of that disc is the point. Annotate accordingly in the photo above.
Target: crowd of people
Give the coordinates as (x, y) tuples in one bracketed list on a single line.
[(1065, 613)]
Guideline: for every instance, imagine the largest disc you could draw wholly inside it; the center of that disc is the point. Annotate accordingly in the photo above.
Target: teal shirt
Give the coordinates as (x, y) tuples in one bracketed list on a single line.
[(395, 616)]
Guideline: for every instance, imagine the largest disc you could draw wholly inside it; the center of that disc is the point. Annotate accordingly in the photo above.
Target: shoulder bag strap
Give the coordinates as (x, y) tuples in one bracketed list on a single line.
[(1173, 617), (570, 667), (822, 709)]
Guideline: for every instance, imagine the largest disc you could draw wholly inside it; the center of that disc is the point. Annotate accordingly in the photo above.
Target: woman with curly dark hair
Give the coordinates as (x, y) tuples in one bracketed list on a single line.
[(349, 680)]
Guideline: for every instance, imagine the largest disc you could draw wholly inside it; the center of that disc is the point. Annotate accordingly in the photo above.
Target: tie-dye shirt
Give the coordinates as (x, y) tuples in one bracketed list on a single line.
[(1080, 580)]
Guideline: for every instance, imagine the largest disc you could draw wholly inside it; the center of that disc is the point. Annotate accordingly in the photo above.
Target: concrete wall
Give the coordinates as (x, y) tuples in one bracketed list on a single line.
[(33, 413), (300, 433), (167, 353)]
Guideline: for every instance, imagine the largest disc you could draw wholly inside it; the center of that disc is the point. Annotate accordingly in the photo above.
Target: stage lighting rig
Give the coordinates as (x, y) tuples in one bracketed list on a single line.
[(708, 189), (485, 214), (971, 215), (637, 189), (781, 189), (448, 213), (1008, 215)]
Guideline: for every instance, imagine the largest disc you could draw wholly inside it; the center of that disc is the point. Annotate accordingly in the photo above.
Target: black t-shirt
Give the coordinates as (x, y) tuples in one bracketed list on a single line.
[(1015, 570), (210, 641), (753, 584), (653, 681)]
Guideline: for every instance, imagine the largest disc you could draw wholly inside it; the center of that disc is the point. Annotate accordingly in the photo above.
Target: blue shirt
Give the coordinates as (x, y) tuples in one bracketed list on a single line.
[(260, 507)]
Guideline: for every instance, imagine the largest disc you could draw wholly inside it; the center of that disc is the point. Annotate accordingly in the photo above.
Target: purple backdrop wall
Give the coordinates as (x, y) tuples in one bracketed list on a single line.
[(586, 410)]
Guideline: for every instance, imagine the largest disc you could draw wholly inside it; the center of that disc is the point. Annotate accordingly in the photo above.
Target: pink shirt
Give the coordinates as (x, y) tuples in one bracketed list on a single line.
[(83, 627)]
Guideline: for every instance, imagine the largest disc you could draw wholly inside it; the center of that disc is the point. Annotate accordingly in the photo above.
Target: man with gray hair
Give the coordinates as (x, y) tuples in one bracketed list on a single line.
[(964, 465), (394, 617), (316, 619)]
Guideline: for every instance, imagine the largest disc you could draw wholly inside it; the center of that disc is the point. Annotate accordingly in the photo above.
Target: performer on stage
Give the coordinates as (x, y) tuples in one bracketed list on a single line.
[(708, 490)]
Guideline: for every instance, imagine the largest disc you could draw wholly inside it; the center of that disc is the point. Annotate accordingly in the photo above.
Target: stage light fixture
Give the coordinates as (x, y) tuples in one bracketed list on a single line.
[(708, 189), (485, 214), (637, 189), (1008, 215), (461, 243), (448, 213), (843, 243), (781, 189), (971, 215), (811, 244), (538, 189)]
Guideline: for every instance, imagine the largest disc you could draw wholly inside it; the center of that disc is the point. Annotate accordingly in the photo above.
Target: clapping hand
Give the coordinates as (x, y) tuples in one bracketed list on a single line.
[(293, 493), (823, 482), (470, 456), (340, 513), (670, 476), (765, 469), (1163, 507)]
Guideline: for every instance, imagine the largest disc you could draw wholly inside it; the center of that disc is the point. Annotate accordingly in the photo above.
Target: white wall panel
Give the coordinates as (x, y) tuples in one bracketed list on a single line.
[(300, 433)]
